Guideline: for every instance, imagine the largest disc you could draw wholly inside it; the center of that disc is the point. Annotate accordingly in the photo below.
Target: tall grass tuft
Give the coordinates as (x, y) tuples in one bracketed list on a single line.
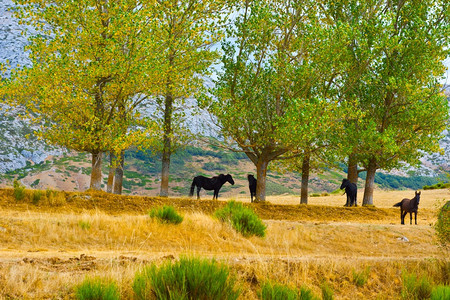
[(189, 278), (276, 291), (166, 214), (327, 291), (97, 289), (440, 292), (360, 278), (243, 219), (19, 190), (415, 289)]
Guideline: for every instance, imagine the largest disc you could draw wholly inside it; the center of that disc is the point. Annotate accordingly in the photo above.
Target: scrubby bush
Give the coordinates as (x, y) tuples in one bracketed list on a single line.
[(97, 289), (19, 190), (37, 195), (276, 291), (414, 289), (189, 278), (442, 225), (243, 219), (166, 214)]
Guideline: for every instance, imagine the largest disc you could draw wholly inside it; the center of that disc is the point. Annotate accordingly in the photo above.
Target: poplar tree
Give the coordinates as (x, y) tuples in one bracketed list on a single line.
[(91, 63)]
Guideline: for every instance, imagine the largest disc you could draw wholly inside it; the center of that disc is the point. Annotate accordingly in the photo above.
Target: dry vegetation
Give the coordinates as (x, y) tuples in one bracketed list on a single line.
[(48, 247)]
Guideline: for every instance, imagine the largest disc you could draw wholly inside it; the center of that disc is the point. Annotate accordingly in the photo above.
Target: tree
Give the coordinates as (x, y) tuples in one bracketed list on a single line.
[(91, 61), (399, 93), (186, 30), (277, 82)]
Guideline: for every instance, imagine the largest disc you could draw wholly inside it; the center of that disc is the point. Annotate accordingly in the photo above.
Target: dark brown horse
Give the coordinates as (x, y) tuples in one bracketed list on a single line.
[(209, 184), (409, 206)]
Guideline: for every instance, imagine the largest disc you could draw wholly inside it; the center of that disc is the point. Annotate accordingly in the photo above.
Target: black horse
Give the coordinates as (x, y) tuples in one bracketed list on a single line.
[(252, 186), (209, 184), (351, 190), (409, 206)]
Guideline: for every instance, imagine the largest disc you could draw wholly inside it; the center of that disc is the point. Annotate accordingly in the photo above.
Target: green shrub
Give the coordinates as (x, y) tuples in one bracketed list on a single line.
[(189, 278), (440, 292), (166, 214), (37, 194), (360, 278), (243, 219), (97, 289), (442, 225), (276, 291), (19, 190), (415, 289), (327, 292), (85, 225)]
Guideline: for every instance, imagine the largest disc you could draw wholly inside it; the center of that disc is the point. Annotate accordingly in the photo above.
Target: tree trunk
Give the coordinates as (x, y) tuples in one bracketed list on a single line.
[(96, 174), (109, 186), (261, 172), (352, 173), (370, 181), (305, 179), (168, 110), (118, 178)]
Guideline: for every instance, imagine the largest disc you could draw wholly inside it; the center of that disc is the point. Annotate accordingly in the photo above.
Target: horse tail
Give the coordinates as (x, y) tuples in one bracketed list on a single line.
[(398, 204), (191, 193)]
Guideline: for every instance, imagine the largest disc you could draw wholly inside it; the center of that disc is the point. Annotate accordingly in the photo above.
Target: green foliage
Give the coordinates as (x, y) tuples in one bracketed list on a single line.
[(189, 278), (19, 190), (442, 225), (243, 219), (166, 214), (97, 289), (36, 197), (35, 183), (360, 278), (85, 225), (440, 292), (414, 289), (437, 186), (327, 291), (276, 291)]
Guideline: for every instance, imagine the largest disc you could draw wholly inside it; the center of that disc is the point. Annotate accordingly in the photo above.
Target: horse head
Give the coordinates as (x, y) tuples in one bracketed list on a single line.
[(229, 179), (345, 183), (417, 197)]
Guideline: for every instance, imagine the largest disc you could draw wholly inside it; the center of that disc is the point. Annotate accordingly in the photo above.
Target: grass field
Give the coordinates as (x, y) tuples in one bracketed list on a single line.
[(50, 245)]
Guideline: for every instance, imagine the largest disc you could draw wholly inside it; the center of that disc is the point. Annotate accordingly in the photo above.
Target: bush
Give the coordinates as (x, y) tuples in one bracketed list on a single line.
[(97, 289), (243, 219), (276, 291), (440, 292), (189, 278), (19, 190), (37, 194), (85, 225), (442, 225), (415, 289), (166, 214)]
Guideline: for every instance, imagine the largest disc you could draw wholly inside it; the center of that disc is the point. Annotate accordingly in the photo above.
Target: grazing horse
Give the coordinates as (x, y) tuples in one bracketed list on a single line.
[(209, 184), (409, 206), (351, 190), (252, 186)]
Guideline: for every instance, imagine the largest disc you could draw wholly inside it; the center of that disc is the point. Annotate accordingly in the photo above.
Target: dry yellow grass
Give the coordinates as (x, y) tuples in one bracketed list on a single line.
[(46, 250)]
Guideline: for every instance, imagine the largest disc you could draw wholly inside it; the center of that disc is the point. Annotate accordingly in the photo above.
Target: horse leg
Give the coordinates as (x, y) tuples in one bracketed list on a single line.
[(198, 192), (216, 194), (410, 218), (348, 199), (415, 217), (402, 216)]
